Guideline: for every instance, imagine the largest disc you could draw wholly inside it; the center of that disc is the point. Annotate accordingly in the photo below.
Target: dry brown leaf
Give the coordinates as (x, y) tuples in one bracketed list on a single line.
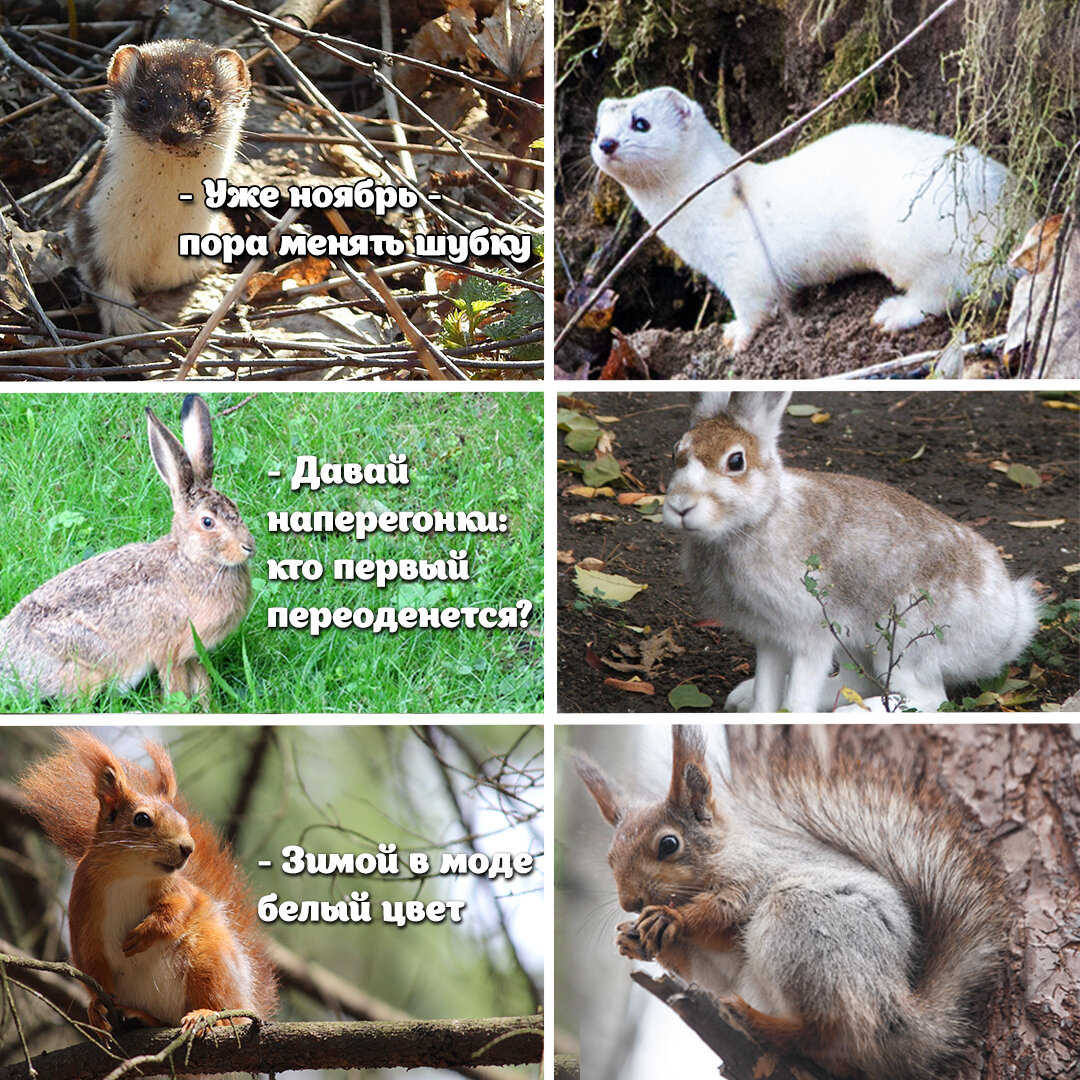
[(584, 519), (304, 271), (513, 38), (592, 564), (633, 686)]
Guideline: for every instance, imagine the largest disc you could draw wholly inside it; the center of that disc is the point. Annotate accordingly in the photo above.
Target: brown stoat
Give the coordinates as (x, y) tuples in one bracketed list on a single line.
[(177, 110)]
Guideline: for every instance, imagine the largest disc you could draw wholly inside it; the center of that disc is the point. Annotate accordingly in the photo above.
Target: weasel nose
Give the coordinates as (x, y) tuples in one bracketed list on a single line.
[(608, 146)]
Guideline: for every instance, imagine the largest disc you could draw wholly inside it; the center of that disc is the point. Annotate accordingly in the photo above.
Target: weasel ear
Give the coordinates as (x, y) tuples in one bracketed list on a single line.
[(604, 790), (123, 64), (680, 105), (691, 786), (231, 66)]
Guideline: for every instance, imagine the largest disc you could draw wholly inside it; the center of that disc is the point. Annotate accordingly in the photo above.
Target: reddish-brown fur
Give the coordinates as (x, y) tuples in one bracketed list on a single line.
[(86, 799)]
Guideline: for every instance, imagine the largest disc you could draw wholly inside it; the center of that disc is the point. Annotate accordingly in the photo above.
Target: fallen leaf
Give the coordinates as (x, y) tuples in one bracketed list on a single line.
[(1024, 475), (601, 471), (612, 588), (584, 519), (820, 417), (513, 38), (592, 564), (1049, 523), (628, 498), (634, 686), (565, 557), (586, 492), (688, 696), (802, 410)]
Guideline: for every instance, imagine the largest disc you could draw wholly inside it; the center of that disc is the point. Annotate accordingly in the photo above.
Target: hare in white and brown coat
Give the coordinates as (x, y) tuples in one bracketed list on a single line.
[(124, 613), (751, 526)]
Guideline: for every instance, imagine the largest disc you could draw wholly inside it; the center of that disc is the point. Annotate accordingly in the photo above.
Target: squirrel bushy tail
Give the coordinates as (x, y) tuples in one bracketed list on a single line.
[(910, 835)]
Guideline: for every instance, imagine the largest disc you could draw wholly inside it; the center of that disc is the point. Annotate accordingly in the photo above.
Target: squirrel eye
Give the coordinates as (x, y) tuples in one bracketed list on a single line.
[(668, 846), (736, 463), (639, 123), (142, 820)]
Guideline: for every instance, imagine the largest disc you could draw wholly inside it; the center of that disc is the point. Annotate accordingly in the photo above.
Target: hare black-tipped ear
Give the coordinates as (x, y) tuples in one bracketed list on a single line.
[(604, 790), (198, 438), (170, 460), (691, 785)]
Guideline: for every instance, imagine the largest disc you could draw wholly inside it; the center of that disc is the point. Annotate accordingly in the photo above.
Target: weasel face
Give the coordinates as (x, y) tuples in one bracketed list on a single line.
[(178, 96), (639, 140)]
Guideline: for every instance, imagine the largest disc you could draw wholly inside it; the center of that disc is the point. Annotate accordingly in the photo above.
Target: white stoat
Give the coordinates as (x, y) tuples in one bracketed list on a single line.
[(908, 204)]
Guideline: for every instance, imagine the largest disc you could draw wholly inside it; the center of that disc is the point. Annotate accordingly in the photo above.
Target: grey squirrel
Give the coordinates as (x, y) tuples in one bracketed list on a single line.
[(841, 914)]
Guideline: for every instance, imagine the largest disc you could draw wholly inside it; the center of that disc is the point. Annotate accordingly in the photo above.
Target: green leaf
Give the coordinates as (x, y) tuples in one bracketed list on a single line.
[(583, 441), (1024, 475), (688, 696), (802, 410), (602, 471)]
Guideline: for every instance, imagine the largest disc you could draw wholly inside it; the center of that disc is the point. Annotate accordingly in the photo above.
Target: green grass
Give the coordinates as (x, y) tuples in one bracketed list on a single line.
[(76, 479)]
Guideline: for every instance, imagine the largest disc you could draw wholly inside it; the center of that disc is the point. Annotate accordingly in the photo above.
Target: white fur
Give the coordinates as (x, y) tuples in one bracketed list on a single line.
[(137, 217), (152, 980), (907, 204), (747, 542)]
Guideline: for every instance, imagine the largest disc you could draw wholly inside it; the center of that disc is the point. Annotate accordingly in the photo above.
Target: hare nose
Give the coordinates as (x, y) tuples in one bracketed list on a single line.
[(608, 146)]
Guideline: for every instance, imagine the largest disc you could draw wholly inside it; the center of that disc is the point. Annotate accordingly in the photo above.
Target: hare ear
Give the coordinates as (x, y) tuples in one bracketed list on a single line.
[(170, 460), (761, 412), (604, 790), (691, 786), (708, 404), (198, 438)]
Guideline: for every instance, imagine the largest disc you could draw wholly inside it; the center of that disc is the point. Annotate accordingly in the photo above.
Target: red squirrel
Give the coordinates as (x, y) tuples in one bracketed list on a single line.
[(838, 912), (159, 914)]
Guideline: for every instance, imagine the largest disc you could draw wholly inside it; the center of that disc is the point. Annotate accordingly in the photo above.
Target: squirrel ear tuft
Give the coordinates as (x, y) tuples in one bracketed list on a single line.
[(697, 790), (603, 789), (166, 777), (691, 786)]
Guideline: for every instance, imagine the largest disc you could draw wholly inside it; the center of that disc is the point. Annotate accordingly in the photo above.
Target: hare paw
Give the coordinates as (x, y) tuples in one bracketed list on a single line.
[(629, 943), (659, 927)]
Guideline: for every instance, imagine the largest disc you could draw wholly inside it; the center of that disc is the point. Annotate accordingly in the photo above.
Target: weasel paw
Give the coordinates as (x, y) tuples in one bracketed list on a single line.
[(737, 336), (900, 313)]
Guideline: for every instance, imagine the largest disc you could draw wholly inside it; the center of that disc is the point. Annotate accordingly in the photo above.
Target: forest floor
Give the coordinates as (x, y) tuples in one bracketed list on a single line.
[(941, 447)]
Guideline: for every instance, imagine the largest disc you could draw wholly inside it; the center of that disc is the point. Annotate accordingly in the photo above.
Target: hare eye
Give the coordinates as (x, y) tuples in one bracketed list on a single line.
[(639, 123), (142, 820), (207, 522), (668, 846), (736, 463)]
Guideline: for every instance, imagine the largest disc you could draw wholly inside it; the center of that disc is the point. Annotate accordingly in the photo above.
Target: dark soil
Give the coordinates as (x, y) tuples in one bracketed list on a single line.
[(869, 433)]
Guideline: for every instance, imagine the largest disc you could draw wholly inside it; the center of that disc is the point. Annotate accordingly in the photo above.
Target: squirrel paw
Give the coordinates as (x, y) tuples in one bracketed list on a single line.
[(658, 928), (196, 1016), (98, 1011), (629, 943), (136, 942)]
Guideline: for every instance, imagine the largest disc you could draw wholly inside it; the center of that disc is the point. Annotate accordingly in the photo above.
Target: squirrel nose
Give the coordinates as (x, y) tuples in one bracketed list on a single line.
[(185, 850), (608, 146)]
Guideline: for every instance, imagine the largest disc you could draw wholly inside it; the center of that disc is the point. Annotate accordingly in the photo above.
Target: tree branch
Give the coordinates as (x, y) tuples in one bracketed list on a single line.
[(269, 1048), (719, 1029)]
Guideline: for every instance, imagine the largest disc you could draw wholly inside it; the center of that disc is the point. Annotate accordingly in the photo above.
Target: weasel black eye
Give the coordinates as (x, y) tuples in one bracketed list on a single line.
[(143, 105), (668, 846), (639, 123), (736, 463), (202, 107), (142, 820)]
